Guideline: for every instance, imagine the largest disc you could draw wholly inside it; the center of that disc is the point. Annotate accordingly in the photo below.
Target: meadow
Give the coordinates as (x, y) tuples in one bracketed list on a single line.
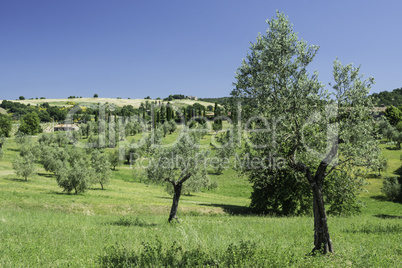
[(40, 226)]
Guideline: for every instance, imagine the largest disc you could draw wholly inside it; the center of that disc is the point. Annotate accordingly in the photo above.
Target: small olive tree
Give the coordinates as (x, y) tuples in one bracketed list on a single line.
[(114, 158), (100, 166), (179, 165), (24, 166)]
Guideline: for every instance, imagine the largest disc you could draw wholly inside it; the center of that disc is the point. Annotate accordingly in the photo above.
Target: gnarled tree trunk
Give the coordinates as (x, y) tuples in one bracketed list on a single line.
[(322, 241), (176, 198)]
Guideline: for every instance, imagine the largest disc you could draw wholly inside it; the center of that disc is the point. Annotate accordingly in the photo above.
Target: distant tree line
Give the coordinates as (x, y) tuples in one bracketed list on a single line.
[(388, 98), (220, 101), (45, 112)]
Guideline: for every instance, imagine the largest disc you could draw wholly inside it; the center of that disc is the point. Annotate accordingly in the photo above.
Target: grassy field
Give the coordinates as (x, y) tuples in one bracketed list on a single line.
[(40, 226), (119, 102)]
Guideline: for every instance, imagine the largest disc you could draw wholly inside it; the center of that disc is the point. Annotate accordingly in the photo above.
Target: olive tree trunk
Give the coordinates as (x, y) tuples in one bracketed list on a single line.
[(322, 241), (175, 204)]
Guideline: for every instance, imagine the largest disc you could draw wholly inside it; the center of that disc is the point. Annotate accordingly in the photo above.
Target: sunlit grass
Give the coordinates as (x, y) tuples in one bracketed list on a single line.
[(41, 226)]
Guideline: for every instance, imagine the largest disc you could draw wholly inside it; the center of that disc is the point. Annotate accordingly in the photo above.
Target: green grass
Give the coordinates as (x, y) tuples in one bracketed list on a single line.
[(40, 226)]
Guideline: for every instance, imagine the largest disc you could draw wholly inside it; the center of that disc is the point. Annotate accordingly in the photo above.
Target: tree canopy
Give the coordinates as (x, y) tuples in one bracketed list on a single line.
[(295, 125)]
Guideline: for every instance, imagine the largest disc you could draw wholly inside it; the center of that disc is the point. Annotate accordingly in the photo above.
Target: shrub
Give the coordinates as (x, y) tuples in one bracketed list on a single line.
[(392, 188)]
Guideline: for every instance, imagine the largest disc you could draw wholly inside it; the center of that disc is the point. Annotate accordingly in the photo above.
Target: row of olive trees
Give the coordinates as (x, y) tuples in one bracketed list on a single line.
[(73, 168)]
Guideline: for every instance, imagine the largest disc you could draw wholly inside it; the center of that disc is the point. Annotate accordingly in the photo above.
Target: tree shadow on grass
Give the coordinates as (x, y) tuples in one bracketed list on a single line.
[(65, 193), (394, 148), (379, 198), (171, 197), (96, 189), (47, 175), (232, 209), (385, 216), (16, 179), (131, 221), (375, 229)]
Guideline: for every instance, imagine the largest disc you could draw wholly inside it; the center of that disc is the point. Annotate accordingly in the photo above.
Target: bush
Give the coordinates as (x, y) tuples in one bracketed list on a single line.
[(5, 125), (243, 254), (392, 189), (30, 124)]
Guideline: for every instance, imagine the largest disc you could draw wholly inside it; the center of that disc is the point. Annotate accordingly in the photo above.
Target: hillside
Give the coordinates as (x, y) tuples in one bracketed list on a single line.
[(119, 102)]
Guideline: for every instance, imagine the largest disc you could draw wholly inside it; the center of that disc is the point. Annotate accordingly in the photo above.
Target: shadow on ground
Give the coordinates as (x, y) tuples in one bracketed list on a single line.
[(131, 221), (385, 216), (47, 175), (16, 179), (231, 209)]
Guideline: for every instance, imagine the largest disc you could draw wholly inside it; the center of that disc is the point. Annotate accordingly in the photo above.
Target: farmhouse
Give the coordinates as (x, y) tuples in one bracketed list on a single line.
[(65, 127), (192, 98)]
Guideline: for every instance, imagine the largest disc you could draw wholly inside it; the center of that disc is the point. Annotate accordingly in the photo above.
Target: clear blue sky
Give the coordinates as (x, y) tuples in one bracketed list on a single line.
[(132, 48)]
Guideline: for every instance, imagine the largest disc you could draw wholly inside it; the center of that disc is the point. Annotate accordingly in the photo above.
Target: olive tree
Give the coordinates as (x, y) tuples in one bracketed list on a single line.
[(75, 172), (296, 122), (172, 126), (182, 164), (114, 158), (100, 166), (24, 166)]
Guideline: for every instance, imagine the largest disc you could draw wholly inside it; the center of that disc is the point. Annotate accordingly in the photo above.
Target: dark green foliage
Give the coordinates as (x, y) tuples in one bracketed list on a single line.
[(95, 95), (393, 114), (44, 116), (30, 124), (57, 113), (388, 98), (175, 97), (392, 188), (45, 105), (22, 98), (280, 192), (341, 191), (51, 112), (5, 125), (14, 107), (220, 101)]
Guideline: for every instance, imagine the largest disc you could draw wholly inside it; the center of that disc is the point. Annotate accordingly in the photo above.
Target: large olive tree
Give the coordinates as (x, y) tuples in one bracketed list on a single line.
[(297, 123)]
